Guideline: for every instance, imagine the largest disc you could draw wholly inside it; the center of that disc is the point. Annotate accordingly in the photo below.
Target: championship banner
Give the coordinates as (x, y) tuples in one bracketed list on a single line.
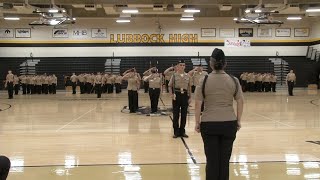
[(237, 43)]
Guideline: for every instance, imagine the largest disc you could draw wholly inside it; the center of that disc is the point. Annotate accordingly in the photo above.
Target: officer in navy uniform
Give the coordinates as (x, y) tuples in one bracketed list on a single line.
[(180, 90)]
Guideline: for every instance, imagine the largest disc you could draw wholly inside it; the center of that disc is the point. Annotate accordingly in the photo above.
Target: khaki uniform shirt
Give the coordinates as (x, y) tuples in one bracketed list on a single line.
[(197, 76), (155, 80), (273, 79), (291, 77), (98, 79), (133, 82), (118, 79), (180, 81), (169, 75), (74, 78), (219, 95)]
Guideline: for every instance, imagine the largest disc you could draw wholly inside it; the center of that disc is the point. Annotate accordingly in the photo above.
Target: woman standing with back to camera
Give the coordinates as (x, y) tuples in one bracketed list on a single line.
[(219, 123)]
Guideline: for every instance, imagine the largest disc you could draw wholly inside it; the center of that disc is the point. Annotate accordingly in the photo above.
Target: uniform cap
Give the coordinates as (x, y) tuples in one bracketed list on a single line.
[(181, 61)]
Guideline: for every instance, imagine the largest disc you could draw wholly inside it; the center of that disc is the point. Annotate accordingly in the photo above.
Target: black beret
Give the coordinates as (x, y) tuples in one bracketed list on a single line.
[(218, 54), (181, 61)]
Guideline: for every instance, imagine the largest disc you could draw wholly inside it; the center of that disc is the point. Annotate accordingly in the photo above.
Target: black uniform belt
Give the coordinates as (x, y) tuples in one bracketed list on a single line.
[(153, 88), (180, 90)]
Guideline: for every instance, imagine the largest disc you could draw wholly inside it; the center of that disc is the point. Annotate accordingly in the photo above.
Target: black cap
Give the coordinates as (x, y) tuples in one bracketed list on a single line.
[(181, 61), (218, 54)]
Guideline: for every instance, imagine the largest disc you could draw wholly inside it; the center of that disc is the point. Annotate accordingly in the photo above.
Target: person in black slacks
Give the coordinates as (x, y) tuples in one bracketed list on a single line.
[(218, 123), (4, 167), (133, 79)]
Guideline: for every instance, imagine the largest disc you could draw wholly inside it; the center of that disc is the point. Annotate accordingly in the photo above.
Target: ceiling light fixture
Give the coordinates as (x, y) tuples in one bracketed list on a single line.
[(130, 11), (294, 18), (54, 22), (186, 19), (12, 18), (192, 10), (235, 19), (247, 11), (123, 20), (258, 11), (313, 10)]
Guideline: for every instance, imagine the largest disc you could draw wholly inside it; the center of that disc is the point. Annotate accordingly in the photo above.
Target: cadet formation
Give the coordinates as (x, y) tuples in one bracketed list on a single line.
[(177, 83)]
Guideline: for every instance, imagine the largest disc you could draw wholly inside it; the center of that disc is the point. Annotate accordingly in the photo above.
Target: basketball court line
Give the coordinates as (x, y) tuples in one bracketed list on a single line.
[(271, 119), (78, 118)]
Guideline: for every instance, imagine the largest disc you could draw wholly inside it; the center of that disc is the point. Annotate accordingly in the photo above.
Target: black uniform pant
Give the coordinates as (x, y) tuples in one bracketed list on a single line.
[(218, 138), (4, 167), (273, 86), (110, 88), (33, 89), (28, 88), (146, 86), (74, 86), (82, 88), (290, 87), (267, 87), (54, 88), (38, 89), (16, 89), (24, 88), (193, 88), (180, 105), (45, 88), (98, 90), (244, 85), (118, 87), (133, 100), (154, 94), (10, 89)]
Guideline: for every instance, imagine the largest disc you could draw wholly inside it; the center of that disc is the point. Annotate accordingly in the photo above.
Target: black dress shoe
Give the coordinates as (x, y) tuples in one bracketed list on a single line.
[(185, 135), (175, 136)]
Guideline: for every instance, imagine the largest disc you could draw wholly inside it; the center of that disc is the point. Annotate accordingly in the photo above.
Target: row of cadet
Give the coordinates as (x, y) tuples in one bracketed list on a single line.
[(86, 81), (31, 84), (259, 82)]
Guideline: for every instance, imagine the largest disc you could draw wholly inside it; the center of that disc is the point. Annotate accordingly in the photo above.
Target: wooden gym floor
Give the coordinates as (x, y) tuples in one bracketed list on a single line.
[(78, 137)]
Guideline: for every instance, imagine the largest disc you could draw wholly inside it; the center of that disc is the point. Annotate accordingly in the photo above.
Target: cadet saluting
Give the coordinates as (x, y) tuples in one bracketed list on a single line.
[(180, 90), (155, 88), (291, 81)]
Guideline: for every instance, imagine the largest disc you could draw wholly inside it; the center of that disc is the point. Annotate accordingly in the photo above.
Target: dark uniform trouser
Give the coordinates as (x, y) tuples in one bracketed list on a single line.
[(82, 89), (28, 88), (290, 88), (74, 86), (45, 88), (133, 100), (193, 88), (244, 85), (10, 89), (33, 89), (146, 86), (273, 86), (50, 88), (182, 103), (110, 89), (98, 90), (218, 140), (154, 94), (39, 89), (54, 88), (118, 87), (4, 167), (16, 89), (24, 88), (259, 86)]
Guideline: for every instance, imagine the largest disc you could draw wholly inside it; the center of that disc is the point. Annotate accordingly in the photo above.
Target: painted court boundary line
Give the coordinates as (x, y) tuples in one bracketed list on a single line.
[(184, 142), (78, 118), (272, 119)]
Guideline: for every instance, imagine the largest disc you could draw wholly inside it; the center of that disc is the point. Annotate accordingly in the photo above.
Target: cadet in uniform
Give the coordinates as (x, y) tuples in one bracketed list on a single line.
[(118, 83), (155, 88), (180, 90), (168, 74), (291, 81), (74, 80), (9, 84), (197, 73), (54, 84), (24, 84), (97, 84), (273, 81), (219, 123), (259, 82), (16, 84), (134, 80), (146, 83)]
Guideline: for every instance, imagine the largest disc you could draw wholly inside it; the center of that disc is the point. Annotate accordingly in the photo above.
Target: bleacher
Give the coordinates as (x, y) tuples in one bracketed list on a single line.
[(6, 64)]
